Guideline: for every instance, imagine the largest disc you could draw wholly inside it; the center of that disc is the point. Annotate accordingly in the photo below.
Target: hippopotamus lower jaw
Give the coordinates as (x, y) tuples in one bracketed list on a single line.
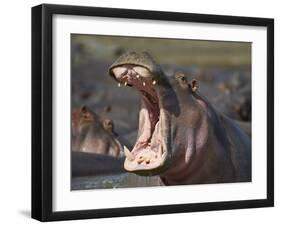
[(146, 161), (149, 154)]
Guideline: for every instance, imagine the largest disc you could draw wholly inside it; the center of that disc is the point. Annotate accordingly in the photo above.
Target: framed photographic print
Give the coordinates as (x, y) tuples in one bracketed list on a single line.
[(146, 112)]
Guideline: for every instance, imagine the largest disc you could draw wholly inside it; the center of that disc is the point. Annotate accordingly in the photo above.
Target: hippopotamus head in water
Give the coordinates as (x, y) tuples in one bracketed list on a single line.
[(181, 136), (92, 134)]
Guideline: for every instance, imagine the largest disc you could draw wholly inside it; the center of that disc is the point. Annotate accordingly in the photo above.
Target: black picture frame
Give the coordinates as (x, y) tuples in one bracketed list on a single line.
[(42, 108)]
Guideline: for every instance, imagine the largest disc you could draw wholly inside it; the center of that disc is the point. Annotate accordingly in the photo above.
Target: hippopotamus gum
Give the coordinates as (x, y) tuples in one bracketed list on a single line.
[(181, 137), (92, 134)]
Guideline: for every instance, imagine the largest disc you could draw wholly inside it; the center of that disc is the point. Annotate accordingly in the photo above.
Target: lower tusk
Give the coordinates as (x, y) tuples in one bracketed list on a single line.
[(125, 84), (128, 154), (161, 151), (154, 82), (119, 84), (143, 83)]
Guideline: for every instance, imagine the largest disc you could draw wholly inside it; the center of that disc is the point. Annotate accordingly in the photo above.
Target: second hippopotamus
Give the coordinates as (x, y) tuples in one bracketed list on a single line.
[(92, 134)]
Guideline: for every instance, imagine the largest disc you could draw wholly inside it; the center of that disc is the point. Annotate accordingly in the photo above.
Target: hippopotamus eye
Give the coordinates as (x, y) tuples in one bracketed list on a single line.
[(180, 77)]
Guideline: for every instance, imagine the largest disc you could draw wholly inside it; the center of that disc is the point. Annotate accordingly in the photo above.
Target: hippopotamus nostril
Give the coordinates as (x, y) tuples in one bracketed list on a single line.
[(140, 159)]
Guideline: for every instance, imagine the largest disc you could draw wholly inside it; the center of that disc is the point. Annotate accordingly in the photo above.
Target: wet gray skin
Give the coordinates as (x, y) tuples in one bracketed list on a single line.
[(181, 137), (92, 134)]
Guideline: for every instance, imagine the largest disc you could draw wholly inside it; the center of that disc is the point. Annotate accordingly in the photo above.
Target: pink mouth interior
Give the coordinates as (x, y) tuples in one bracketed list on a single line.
[(147, 151)]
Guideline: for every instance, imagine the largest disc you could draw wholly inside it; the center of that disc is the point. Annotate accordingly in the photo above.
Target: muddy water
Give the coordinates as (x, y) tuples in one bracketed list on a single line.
[(123, 180)]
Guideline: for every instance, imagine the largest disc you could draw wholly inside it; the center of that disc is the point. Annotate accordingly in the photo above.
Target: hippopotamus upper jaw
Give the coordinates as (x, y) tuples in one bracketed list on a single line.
[(150, 151)]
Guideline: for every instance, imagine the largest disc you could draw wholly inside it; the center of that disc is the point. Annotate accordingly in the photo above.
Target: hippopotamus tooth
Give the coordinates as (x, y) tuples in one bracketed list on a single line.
[(128, 154)]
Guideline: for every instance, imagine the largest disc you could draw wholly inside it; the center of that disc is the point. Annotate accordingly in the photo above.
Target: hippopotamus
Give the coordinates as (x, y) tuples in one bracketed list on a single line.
[(181, 136), (92, 134)]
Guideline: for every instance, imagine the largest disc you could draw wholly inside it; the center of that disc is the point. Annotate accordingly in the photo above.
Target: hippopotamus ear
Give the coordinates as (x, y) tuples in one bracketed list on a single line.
[(194, 85), (181, 79)]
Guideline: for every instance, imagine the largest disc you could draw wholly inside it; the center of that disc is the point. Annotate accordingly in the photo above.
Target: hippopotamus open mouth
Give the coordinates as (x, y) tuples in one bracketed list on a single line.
[(150, 151)]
